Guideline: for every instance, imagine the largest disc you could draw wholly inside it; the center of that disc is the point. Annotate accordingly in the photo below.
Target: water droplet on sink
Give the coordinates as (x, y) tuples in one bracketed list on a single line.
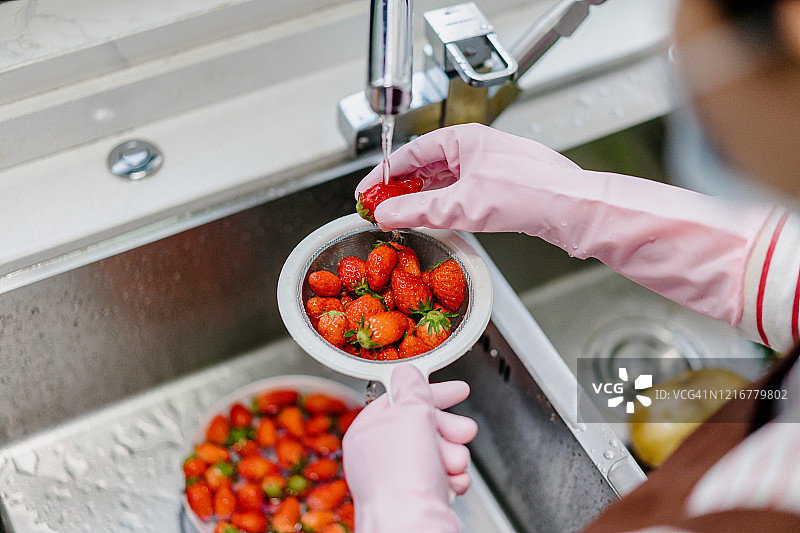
[(75, 465), (613, 443), (608, 454)]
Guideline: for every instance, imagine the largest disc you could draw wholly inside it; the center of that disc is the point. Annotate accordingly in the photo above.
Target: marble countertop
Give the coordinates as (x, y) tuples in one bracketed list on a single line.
[(234, 114)]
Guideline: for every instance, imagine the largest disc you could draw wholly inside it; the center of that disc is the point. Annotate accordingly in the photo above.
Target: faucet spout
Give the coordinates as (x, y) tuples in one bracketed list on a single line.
[(390, 61)]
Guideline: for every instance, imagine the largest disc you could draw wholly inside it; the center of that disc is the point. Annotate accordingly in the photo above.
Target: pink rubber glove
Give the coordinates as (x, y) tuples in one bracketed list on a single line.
[(400, 458), (686, 246)]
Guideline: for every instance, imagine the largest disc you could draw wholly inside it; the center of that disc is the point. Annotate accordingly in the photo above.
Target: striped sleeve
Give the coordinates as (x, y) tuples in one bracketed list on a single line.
[(772, 284)]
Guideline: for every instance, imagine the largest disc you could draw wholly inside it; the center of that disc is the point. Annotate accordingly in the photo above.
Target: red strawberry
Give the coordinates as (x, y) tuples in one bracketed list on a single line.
[(218, 430), (317, 305), (218, 475), (198, 495), (448, 284), (250, 521), (266, 432), (324, 444), (193, 467), (316, 521), (346, 514), (290, 418), (226, 527), (407, 259), (362, 307), (319, 403), (250, 497), (246, 448), (324, 283), (224, 502), (387, 353), (388, 299), (211, 453), (327, 496), (332, 326), (434, 327), (370, 198), (413, 346), (255, 467), (287, 516), (411, 295), (271, 402), (380, 263), (336, 527), (343, 424), (289, 452), (317, 424), (381, 329), (321, 470), (352, 272), (241, 417)]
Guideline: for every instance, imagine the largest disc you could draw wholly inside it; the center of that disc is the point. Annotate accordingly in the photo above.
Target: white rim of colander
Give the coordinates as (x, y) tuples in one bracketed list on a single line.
[(294, 317)]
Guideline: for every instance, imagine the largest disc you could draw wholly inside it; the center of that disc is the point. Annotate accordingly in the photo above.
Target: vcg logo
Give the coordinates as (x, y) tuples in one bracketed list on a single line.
[(644, 381)]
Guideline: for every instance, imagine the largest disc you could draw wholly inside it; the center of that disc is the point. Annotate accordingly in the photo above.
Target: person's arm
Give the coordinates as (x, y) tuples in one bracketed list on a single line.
[(402, 458), (689, 247)]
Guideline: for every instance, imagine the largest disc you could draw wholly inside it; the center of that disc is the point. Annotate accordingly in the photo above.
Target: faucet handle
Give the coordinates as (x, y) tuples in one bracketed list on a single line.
[(464, 41)]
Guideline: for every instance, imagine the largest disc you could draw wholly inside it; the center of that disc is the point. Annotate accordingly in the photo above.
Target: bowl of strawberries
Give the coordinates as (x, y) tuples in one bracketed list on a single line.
[(267, 458), (359, 299)]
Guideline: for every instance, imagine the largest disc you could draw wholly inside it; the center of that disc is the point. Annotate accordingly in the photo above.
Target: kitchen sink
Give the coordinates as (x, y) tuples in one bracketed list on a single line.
[(109, 365)]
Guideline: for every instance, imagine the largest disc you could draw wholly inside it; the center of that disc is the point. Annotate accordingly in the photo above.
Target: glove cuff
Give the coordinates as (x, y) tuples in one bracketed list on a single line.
[(772, 284)]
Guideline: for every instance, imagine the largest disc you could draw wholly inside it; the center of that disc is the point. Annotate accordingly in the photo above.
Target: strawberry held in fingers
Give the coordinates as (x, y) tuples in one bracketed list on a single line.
[(370, 198)]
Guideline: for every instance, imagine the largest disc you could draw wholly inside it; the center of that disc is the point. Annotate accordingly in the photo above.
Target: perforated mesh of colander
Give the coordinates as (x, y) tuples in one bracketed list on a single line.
[(351, 236)]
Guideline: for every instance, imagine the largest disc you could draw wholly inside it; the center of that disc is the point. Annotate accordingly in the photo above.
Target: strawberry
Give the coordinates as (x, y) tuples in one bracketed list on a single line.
[(271, 402), (198, 495), (255, 467), (218, 430), (211, 453), (316, 306), (319, 403), (411, 295), (324, 444), (316, 521), (266, 432), (343, 424), (246, 448), (226, 527), (250, 521), (193, 467), (370, 198), (327, 496), (381, 329), (352, 272), (321, 470), (388, 299), (240, 416), (434, 327), (448, 284), (250, 497), (380, 263), (287, 516), (347, 515), (336, 527), (407, 259), (387, 353), (273, 485), (362, 307), (218, 475), (412, 346), (317, 424), (290, 452), (324, 283), (332, 326), (224, 502), (290, 418)]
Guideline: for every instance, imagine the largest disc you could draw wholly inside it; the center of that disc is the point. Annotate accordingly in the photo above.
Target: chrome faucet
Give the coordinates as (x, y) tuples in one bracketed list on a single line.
[(468, 76)]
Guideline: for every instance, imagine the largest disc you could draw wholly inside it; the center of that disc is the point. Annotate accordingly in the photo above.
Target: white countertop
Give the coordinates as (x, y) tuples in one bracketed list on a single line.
[(222, 137)]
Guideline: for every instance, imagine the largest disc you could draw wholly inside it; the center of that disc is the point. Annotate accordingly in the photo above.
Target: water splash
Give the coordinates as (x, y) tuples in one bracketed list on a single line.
[(387, 133)]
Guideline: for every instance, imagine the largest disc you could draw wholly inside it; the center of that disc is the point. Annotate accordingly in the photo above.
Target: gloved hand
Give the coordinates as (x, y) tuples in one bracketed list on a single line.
[(400, 458), (686, 246)]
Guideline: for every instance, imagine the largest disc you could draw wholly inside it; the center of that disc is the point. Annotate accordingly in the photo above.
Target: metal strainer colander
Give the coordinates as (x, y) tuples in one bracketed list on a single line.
[(351, 235)]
